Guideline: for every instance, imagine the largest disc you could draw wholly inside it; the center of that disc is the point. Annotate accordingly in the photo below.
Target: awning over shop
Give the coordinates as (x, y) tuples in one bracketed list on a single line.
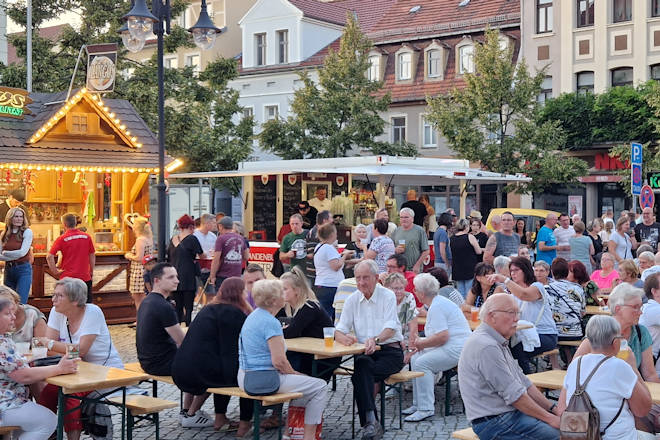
[(396, 170)]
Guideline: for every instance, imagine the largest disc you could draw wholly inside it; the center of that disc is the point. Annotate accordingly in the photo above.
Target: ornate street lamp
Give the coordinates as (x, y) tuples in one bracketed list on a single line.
[(140, 24)]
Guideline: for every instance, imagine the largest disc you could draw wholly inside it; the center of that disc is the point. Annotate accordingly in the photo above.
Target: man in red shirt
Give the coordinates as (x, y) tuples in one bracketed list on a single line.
[(78, 258)]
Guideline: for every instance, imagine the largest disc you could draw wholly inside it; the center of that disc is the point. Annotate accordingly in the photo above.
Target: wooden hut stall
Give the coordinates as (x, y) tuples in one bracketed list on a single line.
[(87, 155)]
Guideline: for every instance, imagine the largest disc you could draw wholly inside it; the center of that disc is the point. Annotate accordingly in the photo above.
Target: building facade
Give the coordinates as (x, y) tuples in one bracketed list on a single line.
[(589, 46)]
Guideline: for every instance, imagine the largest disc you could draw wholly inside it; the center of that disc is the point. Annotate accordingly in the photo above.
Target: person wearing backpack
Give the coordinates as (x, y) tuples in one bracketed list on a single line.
[(613, 389), (625, 303)]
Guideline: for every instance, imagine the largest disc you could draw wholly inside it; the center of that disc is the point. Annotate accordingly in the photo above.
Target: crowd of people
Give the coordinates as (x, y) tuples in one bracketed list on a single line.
[(543, 279)]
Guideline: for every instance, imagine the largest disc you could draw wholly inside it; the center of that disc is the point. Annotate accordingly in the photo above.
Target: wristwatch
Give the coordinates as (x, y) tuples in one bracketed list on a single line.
[(377, 340), (552, 407), (50, 344)]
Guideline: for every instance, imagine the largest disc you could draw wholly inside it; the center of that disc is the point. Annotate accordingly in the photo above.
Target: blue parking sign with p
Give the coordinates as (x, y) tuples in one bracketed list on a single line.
[(636, 168)]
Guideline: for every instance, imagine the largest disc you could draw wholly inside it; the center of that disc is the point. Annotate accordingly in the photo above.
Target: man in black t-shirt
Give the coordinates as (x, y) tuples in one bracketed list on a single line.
[(418, 207), (158, 335), (648, 230)]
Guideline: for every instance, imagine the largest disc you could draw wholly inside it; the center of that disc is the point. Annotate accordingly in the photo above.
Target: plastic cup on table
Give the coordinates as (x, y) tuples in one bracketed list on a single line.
[(329, 336), (474, 314), (39, 352)]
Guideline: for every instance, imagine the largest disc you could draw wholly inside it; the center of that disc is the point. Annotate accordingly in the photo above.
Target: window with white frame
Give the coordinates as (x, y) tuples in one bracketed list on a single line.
[(429, 135), (219, 14), (399, 130), (434, 63), (271, 112), (183, 18), (373, 72), (585, 13), (543, 16), (260, 49), (171, 62), (466, 59), (405, 66), (546, 90), (283, 46), (193, 60), (248, 112)]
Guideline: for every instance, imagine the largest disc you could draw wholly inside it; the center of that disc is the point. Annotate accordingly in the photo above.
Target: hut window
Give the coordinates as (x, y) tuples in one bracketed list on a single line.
[(79, 124)]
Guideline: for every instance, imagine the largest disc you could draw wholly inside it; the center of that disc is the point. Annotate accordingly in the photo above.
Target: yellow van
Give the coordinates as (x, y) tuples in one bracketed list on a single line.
[(530, 216)]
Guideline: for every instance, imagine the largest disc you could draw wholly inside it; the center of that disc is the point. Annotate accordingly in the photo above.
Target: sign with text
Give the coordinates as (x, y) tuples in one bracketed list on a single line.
[(636, 168), (101, 67), (14, 102), (646, 197), (654, 180)]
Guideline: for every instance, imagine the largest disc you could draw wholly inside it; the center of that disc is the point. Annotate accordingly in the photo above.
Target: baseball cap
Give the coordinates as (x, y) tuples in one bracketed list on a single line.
[(226, 222), (147, 258)]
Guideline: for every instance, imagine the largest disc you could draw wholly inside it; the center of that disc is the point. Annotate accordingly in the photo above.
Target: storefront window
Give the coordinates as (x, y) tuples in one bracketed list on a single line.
[(611, 196)]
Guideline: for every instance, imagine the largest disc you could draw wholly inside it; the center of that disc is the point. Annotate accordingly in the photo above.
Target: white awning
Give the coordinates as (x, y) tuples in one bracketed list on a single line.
[(397, 170)]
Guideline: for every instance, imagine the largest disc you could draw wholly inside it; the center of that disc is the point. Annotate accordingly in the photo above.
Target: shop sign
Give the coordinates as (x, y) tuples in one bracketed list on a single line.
[(101, 67), (603, 161), (13, 102), (654, 180)]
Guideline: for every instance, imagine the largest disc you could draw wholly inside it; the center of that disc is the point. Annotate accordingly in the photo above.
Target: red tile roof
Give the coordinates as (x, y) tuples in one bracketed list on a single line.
[(329, 12), (419, 89), (50, 33), (442, 16)]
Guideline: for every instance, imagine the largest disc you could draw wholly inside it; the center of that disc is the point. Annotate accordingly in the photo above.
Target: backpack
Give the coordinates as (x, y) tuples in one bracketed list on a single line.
[(96, 418), (581, 419)]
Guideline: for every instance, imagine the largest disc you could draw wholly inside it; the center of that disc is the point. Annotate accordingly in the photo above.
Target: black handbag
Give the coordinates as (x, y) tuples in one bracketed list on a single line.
[(260, 382)]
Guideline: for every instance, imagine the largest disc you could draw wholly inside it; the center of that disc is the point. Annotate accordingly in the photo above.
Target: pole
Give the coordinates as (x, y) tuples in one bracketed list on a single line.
[(162, 200), (28, 33)]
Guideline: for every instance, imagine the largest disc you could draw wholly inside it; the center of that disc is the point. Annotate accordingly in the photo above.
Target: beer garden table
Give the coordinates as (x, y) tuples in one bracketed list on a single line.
[(316, 347), (597, 310), (91, 377)]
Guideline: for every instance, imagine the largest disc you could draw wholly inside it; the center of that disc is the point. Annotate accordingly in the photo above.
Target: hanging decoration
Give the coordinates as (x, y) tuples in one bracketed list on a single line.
[(107, 178), (60, 178), (8, 176), (28, 181)]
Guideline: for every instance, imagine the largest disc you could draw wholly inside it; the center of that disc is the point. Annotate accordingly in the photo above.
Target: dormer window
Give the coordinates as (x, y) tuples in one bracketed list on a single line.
[(405, 66), (466, 59), (435, 58), (283, 46), (373, 72)]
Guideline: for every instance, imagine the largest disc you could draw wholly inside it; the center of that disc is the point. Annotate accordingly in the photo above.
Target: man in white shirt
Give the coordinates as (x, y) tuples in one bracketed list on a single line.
[(563, 234), (371, 312), (320, 202), (207, 239)]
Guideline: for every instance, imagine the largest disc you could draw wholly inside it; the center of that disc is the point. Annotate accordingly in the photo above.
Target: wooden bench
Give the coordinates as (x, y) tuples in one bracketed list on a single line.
[(6, 431), (259, 402), (465, 434), (143, 408)]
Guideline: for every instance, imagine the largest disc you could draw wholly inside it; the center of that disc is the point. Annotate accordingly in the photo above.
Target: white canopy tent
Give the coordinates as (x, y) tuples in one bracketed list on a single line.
[(385, 170)]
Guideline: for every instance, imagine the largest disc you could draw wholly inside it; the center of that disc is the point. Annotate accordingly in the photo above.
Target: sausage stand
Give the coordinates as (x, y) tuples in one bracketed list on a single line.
[(82, 154), (358, 186)]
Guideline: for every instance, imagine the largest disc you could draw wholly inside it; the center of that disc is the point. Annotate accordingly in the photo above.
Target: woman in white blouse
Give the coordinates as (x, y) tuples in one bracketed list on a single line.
[(15, 251)]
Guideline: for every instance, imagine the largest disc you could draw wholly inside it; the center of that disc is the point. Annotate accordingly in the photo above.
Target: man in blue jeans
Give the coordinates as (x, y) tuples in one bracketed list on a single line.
[(500, 401)]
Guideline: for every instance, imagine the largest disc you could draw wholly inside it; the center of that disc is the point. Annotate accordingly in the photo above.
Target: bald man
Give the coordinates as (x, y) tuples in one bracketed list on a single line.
[(648, 230), (508, 405), (418, 207)]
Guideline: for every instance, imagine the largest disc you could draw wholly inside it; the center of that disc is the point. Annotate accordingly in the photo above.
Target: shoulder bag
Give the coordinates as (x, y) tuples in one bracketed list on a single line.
[(259, 382)]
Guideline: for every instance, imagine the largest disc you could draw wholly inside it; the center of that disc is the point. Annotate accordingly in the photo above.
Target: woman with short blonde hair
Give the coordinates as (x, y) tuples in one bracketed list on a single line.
[(29, 322)]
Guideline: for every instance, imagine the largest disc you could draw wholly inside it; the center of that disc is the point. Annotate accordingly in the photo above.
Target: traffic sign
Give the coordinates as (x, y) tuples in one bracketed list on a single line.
[(646, 197), (636, 179), (636, 153)]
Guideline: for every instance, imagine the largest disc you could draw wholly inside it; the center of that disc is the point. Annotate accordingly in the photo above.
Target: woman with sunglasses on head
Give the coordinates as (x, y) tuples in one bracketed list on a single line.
[(16, 252), (532, 300)]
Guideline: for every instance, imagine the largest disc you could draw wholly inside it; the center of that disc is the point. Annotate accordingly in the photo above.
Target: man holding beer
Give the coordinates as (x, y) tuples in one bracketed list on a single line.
[(371, 312)]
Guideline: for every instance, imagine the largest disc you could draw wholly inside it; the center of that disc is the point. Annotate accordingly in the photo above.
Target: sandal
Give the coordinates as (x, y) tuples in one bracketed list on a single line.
[(230, 425)]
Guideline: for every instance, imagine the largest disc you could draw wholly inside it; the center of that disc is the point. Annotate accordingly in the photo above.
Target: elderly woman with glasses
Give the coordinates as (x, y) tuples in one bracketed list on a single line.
[(617, 388), (72, 320)]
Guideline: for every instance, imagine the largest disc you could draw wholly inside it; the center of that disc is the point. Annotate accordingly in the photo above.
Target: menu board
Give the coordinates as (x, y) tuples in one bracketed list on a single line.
[(9, 181), (292, 195), (264, 207)]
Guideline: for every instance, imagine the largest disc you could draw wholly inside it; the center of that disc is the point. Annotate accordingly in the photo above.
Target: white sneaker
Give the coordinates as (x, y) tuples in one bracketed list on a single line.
[(198, 420), (418, 416), (409, 410)]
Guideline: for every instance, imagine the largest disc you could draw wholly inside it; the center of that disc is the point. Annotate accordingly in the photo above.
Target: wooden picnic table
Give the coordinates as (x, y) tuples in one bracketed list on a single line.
[(316, 346), (91, 377), (597, 310), (554, 380)]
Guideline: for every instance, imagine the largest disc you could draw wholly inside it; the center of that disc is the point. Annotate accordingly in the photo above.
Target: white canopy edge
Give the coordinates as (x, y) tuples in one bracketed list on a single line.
[(403, 170)]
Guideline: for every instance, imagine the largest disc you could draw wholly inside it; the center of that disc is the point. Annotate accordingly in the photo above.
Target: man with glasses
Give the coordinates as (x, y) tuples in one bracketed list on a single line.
[(500, 401), (504, 242), (411, 241)]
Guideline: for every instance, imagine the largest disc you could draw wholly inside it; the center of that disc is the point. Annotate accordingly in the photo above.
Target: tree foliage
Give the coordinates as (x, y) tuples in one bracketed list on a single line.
[(199, 112), (621, 114), (493, 120), (339, 114)]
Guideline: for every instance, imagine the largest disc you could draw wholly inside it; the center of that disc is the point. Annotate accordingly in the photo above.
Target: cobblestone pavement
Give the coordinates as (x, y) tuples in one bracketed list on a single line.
[(337, 415)]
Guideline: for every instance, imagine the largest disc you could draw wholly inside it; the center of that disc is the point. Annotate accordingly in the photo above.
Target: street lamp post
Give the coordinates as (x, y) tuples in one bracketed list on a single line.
[(140, 23)]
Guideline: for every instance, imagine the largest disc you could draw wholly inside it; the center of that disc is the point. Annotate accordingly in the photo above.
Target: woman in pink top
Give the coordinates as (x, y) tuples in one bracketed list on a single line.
[(606, 278)]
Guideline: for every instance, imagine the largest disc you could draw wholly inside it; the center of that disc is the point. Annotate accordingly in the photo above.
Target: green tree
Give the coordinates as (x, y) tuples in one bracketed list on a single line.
[(575, 113), (493, 121), (340, 113), (200, 111)]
